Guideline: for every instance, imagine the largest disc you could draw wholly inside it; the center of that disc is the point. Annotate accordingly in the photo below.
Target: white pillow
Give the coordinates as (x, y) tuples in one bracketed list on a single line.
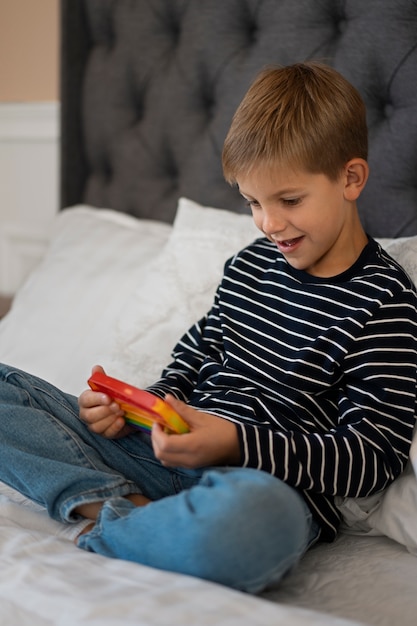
[(118, 291), (178, 289), (63, 318), (396, 517), (403, 250)]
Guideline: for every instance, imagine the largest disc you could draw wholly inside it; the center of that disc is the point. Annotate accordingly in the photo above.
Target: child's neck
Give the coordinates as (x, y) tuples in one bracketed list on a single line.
[(352, 241)]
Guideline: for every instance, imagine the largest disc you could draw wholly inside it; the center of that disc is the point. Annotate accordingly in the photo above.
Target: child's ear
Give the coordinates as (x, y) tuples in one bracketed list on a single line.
[(356, 172)]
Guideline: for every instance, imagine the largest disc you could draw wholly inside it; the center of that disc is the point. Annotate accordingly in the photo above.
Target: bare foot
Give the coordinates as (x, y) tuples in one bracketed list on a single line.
[(138, 499), (92, 509)]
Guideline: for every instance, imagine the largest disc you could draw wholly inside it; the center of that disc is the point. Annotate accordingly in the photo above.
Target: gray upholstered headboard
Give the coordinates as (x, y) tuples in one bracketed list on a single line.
[(149, 88)]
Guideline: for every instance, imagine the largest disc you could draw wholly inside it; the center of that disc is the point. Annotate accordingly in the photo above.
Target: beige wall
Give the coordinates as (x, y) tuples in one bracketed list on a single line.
[(29, 50)]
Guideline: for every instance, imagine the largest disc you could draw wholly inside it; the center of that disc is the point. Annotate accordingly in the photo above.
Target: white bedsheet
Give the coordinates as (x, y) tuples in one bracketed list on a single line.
[(45, 579), (368, 579)]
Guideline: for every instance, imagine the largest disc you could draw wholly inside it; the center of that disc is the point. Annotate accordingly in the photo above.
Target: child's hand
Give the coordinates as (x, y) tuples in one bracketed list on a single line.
[(211, 441), (102, 415)]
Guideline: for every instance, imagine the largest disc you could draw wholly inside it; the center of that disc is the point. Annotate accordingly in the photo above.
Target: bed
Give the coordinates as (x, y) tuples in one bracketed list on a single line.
[(146, 222)]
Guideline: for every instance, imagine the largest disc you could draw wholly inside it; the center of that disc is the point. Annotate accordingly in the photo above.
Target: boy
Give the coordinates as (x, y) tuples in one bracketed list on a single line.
[(298, 386)]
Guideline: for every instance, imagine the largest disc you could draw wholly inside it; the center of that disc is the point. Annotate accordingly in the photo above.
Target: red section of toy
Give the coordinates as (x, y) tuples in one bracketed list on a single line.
[(140, 407)]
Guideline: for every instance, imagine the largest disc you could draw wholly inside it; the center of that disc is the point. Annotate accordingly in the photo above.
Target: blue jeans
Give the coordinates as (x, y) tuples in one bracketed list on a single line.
[(236, 526)]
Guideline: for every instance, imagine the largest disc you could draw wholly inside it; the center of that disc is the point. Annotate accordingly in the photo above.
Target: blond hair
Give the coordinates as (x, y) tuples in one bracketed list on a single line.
[(306, 116)]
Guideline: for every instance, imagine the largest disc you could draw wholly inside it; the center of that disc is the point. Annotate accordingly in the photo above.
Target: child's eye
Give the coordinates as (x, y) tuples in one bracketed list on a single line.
[(251, 204), (291, 201)]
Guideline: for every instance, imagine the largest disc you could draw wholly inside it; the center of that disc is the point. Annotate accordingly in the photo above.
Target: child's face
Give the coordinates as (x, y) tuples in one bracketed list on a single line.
[(307, 216)]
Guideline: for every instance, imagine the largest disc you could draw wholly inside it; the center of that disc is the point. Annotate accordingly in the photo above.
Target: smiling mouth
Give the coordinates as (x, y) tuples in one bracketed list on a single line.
[(287, 245)]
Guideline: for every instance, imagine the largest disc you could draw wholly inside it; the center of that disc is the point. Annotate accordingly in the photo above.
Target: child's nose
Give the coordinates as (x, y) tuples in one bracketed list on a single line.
[(272, 223)]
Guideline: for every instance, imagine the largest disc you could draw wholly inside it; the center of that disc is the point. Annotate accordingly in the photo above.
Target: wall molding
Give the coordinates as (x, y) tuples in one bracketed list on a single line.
[(29, 121)]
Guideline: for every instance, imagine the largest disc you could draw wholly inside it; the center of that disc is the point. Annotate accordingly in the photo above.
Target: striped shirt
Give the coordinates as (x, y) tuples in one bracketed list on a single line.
[(319, 374)]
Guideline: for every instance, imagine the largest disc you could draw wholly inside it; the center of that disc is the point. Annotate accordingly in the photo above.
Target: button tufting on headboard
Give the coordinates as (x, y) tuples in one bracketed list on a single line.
[(149, 89)]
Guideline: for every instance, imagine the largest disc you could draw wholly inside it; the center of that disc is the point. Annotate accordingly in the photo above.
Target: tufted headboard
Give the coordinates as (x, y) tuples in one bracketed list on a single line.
[(148, 89)]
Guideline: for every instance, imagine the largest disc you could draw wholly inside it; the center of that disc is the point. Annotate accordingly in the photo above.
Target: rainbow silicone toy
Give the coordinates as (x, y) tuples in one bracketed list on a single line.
[(141, 408)]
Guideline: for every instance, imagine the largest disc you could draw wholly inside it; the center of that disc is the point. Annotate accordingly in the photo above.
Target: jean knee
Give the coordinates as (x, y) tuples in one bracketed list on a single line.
[(255, 529)]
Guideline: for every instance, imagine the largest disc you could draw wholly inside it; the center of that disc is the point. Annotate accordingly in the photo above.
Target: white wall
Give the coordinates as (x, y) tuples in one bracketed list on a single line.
[(29, 181)]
